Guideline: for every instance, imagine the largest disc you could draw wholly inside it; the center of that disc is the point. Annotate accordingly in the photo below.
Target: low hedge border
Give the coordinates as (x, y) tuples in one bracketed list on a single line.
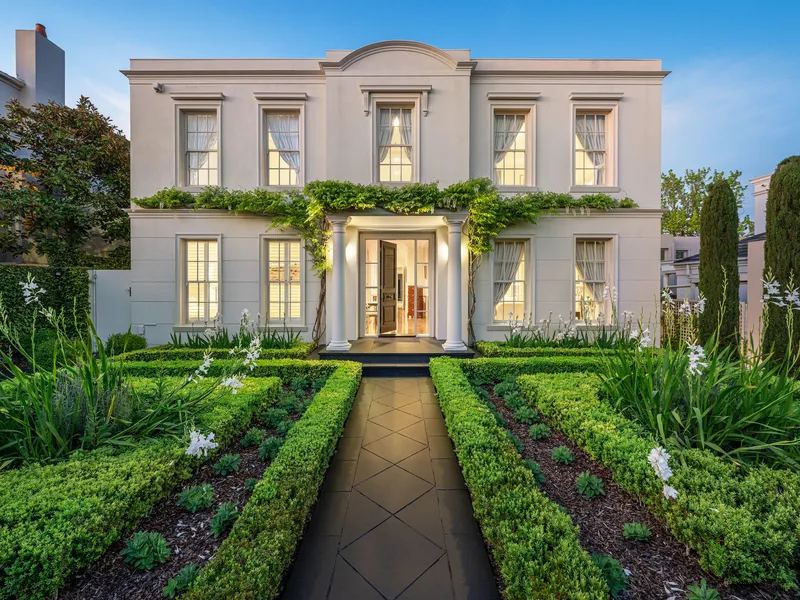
[(252, 560), (497, 369), (744, 524), (57, 519), (165, 353), (534, 543), (502, 350), (285, 368)]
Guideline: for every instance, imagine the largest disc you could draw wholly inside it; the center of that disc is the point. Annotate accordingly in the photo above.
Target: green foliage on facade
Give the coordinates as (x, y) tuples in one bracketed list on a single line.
[(719, 265), (782, 247)]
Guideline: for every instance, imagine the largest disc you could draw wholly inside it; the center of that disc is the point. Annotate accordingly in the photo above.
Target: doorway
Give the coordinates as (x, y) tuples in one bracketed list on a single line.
[(397, 272)]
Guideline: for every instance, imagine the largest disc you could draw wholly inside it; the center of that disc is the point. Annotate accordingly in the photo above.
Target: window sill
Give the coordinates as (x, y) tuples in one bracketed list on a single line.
[(202, 327), (498, 327), (516, 189), (593, 189)]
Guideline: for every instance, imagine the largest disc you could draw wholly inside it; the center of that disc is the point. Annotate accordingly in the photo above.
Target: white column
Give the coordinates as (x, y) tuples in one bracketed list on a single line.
[(336, 316), (454, 342)]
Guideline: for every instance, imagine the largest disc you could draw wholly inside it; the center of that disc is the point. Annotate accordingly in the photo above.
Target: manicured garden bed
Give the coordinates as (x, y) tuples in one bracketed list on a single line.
[(504, 350), (167, 353)]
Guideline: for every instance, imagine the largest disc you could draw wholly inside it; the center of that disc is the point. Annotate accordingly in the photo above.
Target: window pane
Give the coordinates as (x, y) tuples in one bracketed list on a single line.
[(422, 251), (422, 275), (372, 251), (371, 275)]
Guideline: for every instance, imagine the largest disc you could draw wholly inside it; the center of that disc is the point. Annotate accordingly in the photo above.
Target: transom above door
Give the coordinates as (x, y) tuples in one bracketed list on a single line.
[(396, 284)]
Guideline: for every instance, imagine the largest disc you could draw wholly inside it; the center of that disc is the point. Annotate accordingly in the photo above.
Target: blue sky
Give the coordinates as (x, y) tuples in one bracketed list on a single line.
[(730, 103)]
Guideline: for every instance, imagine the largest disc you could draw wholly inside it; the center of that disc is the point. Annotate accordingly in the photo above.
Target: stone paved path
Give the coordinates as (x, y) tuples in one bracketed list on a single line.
[(394, 519)]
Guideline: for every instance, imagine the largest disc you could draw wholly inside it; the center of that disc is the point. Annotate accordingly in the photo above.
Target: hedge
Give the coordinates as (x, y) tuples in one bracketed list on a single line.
[(744, 524), (285, 368), (496, 369), (65, 289), (502, 349), (59, 518), (534, 543), (167, 353), (252, 560)]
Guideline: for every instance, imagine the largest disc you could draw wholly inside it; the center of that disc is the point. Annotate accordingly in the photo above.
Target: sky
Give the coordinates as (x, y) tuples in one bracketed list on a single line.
[(731, 102)]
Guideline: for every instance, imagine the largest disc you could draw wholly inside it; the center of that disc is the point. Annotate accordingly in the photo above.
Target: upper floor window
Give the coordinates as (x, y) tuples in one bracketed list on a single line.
[(201, 149), (679, 254), (283, 148), (510, 147), (591, 146), (509, 280), (395, 145), (201, 280)]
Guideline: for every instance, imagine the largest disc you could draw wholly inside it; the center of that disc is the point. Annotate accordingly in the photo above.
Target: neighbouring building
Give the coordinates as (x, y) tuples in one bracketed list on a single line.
[(39, 73), (676, 279), (393, 113)]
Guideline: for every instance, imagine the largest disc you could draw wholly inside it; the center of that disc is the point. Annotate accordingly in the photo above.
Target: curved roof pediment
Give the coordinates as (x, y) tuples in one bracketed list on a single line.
[(393, 46)]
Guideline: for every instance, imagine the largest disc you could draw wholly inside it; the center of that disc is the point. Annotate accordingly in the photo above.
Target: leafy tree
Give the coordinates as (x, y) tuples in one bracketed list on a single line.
[(782, 247), (682, 199), (719, 264), (64, 180)]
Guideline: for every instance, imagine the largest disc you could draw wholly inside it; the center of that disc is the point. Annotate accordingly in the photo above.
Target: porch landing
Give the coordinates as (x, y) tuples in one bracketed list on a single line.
[(393, 356)]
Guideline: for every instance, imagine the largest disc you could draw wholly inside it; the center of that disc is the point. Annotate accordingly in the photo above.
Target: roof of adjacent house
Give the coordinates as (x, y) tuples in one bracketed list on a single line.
[(742, 249)]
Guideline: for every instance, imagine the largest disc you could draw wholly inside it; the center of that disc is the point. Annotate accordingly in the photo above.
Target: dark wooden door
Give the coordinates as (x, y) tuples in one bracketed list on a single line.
[(388, 285)]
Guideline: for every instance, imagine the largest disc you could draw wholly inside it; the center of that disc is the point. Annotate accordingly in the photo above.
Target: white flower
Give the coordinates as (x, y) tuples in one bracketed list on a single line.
[(696, 354), (606, 292), (234, 383), (645, 341), (48, 313), (209, 332), (253, 352), (31, 290), (666, 297), (685, 308), (670, 492), (701, 305), (635, 334), (200, 444), (658, 458), (245, 313), (202, 370)]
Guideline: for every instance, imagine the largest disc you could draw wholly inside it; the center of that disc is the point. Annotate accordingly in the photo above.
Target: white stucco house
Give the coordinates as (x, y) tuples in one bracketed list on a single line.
[(393, 113)]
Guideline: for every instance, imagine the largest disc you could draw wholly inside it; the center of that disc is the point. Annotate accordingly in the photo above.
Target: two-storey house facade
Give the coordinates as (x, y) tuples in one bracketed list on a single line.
[(393, 113)]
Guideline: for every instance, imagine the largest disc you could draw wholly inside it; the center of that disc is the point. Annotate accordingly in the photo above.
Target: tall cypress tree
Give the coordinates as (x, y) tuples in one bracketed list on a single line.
[(782, 246), (719, 265)]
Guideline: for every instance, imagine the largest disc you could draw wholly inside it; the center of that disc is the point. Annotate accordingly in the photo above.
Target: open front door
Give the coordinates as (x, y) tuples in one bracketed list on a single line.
[(388, 302)]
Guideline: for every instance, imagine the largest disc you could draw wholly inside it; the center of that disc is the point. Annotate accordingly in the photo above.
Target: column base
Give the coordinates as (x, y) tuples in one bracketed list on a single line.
[(457, 346), (338, 346)]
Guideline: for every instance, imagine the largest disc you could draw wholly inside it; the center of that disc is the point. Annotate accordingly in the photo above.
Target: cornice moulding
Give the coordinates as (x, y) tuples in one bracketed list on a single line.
[(530, 96), (197, 96), (596, 95), (281, 96)]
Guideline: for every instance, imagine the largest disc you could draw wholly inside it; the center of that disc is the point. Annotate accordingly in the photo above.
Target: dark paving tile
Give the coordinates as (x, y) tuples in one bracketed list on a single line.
[(340, 476), (329, 514), (432, 411), (441, 446), (391, 556), (419, 464), (348, 585), (348, 449), (377, 408), (413, 409), (393, 488), (448, 475), (362, 515), (423, 516), (374, 432), (435, 427), (394, 448), (428, 398), (369, 464), (395, 420), (433, 584), (456, 509), (416, 432), (311, 575), (397, 399), (469, 565)]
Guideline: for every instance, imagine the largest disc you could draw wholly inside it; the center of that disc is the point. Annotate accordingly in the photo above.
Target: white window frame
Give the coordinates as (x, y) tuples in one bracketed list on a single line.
[(379, 101), (530, 281), (280, 106), (182, 308), (263, 267), (610, 108), (612, 271), (528, 108), (181, 111)]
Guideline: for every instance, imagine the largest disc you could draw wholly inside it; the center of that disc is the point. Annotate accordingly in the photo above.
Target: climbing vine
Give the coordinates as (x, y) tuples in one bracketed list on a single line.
[(305, 210)]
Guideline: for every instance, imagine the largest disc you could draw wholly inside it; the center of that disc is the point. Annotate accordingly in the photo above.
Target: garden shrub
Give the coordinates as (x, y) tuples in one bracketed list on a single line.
[(503, 350), (251, 561), (285, 368), (492, 369), (59, 518), (534, 544), (119, 343), (169, 354), (744, 523)]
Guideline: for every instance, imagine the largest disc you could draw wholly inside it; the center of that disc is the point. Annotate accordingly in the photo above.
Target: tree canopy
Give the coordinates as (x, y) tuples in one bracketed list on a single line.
[(682, 198), (64, 180)]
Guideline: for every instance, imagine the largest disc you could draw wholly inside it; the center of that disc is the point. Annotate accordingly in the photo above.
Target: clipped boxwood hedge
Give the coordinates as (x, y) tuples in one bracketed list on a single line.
[(496, 369), (744, 524), (59, 518), (252, 560), (167, 353), (285, 368), (535, 545), (503, 350)]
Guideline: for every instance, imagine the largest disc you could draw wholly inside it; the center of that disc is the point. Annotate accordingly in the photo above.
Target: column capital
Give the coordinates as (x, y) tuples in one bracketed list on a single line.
[(338, 221)]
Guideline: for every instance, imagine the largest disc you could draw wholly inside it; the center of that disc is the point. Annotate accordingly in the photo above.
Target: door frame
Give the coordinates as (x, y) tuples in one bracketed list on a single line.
[(389, 235)]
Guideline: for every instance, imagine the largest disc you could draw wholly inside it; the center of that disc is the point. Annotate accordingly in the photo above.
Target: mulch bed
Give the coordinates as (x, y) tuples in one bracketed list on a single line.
[(188, 534), (660, 568)]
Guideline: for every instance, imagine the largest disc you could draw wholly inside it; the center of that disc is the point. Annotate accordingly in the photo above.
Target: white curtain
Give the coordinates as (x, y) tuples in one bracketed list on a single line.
[(506, 128), (507, 257), (284, 130), (405, 131), (590, 259), (202, 130), (384, 132), (591, 132)]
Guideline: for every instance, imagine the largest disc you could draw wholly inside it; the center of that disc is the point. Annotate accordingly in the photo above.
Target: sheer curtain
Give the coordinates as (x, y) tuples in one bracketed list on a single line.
[(591, 132), (507, 257), (201, 139), (590, 257), (405, 131), (506, 128), (384, 132), (284, 130)]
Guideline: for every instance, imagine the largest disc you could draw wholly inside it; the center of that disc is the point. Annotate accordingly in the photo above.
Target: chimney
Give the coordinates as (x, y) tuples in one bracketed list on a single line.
[(40, 64), (41, 30)]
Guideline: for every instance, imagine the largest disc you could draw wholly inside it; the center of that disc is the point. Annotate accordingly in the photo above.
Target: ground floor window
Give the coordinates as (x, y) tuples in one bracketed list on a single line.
[(593, 279), (509, 281), (201, 280), (284, 281)]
